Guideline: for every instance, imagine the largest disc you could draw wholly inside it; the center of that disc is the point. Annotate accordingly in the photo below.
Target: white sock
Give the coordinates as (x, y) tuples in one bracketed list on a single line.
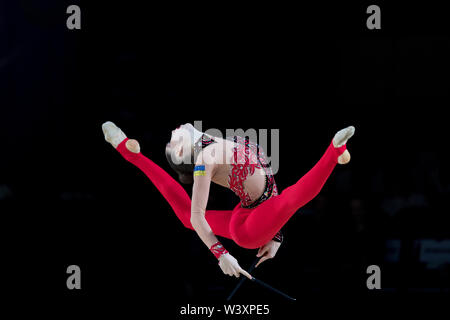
[(341, 137), (113, 134)]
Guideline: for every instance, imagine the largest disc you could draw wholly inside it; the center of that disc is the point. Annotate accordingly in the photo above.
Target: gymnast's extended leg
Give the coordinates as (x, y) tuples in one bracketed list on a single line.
[(171, 190), (253, 228)]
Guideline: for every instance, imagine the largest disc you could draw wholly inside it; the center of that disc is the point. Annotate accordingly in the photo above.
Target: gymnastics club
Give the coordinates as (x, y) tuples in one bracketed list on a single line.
[(262, 283), (272, 289), (241, 281)]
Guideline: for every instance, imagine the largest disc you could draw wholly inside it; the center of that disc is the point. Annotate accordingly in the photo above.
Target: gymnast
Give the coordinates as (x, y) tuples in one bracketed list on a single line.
[(240, 165)]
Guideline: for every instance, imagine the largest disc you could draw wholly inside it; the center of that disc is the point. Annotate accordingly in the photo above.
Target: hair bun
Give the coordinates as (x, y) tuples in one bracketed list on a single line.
[(185, 178)]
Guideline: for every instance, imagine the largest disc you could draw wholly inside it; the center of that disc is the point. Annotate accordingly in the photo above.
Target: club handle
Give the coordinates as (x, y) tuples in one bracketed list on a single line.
[(262, 283), (241, 281)]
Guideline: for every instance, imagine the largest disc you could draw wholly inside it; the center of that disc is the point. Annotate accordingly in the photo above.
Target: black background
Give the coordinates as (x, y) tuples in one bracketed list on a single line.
[(307, 70)]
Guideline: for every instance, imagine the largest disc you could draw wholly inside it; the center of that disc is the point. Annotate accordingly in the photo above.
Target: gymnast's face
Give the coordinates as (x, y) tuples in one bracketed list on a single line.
[(180, 138)]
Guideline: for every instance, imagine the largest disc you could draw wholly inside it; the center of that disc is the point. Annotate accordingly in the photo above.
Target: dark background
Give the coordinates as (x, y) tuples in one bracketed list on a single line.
[(66, 197)]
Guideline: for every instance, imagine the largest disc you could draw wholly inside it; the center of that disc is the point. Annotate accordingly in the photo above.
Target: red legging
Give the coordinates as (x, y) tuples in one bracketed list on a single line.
[(249, 228)]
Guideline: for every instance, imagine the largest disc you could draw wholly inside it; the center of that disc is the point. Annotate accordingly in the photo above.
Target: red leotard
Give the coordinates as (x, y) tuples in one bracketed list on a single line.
[(248, 227)]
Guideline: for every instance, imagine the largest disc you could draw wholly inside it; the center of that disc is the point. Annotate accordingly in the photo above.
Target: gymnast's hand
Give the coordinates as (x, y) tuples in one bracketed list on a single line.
[(230, 266), (268, 251)]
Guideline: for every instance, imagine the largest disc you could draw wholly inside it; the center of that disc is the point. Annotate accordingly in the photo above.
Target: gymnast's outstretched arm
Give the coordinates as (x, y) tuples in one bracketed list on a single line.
[(203, 174)]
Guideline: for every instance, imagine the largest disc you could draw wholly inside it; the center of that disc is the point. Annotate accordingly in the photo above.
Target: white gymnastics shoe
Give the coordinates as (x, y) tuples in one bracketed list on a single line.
[(341, 137), (113, 134)]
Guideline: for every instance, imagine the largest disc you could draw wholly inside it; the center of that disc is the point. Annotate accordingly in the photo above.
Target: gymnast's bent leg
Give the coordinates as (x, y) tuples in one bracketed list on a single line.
[(170, 189), (252, 228)]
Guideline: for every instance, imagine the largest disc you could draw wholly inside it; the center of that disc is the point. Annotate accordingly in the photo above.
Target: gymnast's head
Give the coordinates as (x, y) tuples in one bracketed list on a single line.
[(180, 151)]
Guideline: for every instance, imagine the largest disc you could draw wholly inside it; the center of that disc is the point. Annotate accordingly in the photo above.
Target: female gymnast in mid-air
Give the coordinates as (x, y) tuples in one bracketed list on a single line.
[(237, 164)]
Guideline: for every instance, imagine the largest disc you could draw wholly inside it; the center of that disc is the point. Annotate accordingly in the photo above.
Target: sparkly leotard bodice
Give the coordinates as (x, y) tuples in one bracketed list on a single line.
[(247, 157)]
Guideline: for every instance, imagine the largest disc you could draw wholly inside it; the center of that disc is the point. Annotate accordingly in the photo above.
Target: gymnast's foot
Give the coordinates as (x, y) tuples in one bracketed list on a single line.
[(341, 138), (133, 146), (115, 136)]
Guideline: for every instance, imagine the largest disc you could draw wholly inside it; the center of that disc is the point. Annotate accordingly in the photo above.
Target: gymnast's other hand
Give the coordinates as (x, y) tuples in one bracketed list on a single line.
[(268, 251), (230, 266)]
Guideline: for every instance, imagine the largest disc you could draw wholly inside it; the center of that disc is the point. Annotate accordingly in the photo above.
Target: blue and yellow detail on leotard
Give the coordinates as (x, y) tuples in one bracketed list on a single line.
[(199, 171)]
